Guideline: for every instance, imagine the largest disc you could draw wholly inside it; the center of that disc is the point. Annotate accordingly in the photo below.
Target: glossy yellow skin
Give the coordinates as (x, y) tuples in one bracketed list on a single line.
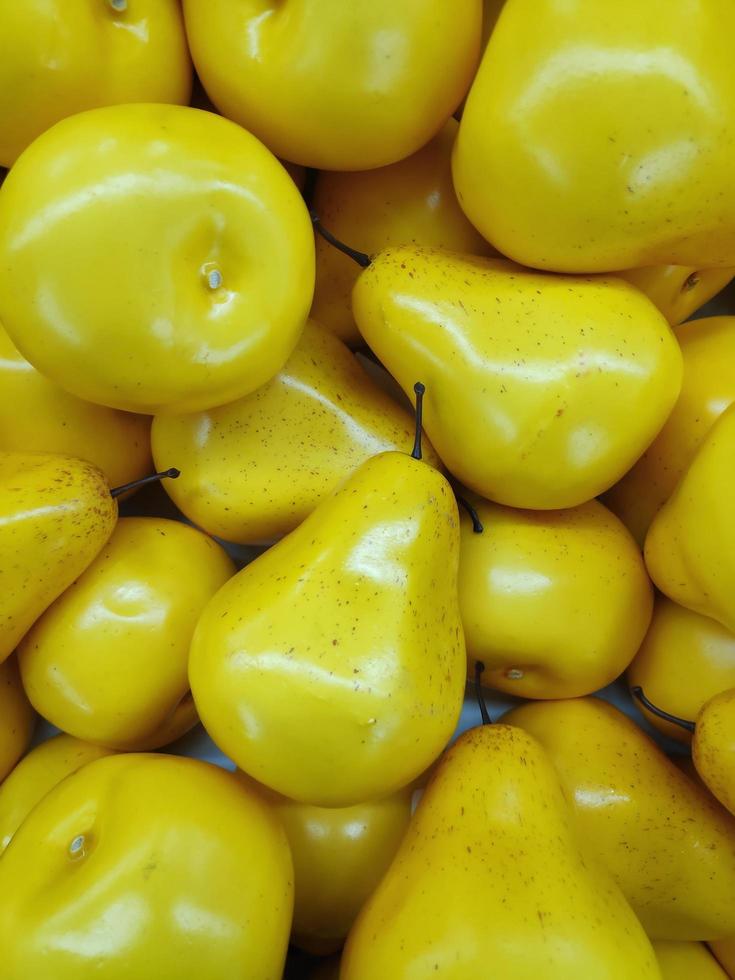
[(490, 881), (679, 290), (540, 391), (554, 603), (410, 202), (684, 660), (63, 56), (724, 950), (669, 845), (108, 661), (17, 717), (339, 855), (56, 513), (111, 227), (687, 961), (37, 773), (334, 85), (332, 668), (254, 469), (179, 872), (690, 546), (490, 13), (713, 747), (38, 416), (708, 388), (646, 179)]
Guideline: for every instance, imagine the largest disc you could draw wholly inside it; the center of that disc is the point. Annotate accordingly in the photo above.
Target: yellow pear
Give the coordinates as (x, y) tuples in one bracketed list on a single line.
[(724, 950), (38, 416), (690, 546), (687, 961), (684, 660), (332, 668), (668, 844), (490, 880), (17, 718), (541, 390), (598, 136), (409, 202), (56, 512), (554, 603), (713, 747), (679, 290), (257, 467)]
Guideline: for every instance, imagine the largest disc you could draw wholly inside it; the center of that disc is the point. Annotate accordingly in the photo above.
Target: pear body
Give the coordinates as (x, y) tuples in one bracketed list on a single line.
[(490, 881), (541, 390), (667, 842), (687, 961), (17, 717), (332, 668), (713, 747), (690, 546), (255, 468), (56, 513)]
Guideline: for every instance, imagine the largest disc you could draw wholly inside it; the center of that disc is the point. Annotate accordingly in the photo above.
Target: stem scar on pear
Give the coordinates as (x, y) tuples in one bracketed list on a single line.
[(637, 693), (484, 713), (171, 474), (362, 258)]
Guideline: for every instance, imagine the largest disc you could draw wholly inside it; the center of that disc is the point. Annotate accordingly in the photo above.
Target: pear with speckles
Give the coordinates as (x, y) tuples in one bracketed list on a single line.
[(713, 747), (56, 513), (541, 390), (490, 881), (667, 842), (332, 668)]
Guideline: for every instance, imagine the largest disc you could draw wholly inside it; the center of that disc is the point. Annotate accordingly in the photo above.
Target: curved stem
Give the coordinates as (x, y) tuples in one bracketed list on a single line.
[(362, 258), (484, 714), (419, 388), (637, 692), (477, 525), (171, 474)]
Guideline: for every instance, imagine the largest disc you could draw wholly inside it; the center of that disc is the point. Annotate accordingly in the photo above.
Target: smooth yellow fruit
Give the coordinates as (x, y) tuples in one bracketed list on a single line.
[(334, 85), (679, 290), (108, 661), (332, 668), (253, 470), (491, 11), (16, 717), (687, 961), (684, 660), (724, 950), (490, 881), (713, 747), (669, 845), (38, 416), (63, 56), (541, 391), (146, 866), (690, 546), (37, 773), (56, 513), (597, 137), (554, 604), (708, 388), (408, 203), (339, 855), (153, 257)]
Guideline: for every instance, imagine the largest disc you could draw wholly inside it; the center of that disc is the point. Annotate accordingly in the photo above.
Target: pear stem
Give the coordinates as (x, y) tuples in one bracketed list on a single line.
[(362, 258), (171, 474), (419, 388), (637, 693), (477, 525), (484, 714)]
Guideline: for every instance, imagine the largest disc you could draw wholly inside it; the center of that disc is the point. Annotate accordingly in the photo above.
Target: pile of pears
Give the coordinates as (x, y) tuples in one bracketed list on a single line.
[(367, 560)]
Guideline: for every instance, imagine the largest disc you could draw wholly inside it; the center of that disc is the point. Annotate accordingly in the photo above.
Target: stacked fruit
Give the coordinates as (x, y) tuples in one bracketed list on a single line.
[(317, 402)]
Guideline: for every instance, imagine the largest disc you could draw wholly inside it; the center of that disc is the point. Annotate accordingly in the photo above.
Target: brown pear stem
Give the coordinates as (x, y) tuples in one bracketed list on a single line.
[(637, 693), (477, 525), (484, 713), (420, 389), (171, 474), (362, 258)]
